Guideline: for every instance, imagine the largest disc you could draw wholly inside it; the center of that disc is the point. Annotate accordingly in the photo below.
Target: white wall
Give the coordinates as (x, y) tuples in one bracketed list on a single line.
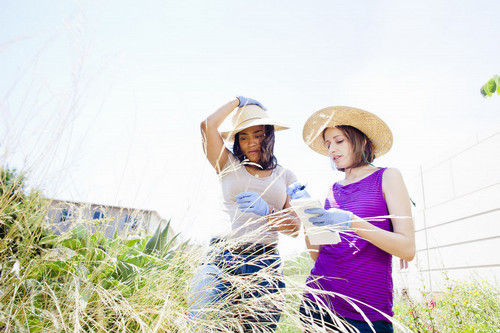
[(457, 218)]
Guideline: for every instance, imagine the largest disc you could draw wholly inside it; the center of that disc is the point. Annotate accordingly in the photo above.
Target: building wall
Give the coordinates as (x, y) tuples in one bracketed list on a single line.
[(109, 219), (457, 218)]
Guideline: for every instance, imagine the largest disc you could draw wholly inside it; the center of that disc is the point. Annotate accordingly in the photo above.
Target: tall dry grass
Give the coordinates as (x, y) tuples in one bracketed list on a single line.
[(86, 282), (81, 281)]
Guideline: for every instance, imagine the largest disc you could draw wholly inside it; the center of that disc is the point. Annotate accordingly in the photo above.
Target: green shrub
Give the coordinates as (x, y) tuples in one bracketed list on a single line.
[(463, 307), (82, 281)]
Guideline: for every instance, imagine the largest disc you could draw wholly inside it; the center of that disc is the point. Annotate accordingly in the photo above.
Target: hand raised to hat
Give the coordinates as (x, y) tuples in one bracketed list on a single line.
[(251, 202), (249, 101)]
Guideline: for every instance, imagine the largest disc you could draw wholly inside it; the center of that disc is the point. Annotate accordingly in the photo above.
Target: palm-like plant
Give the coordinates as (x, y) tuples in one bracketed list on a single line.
[(83, 281)]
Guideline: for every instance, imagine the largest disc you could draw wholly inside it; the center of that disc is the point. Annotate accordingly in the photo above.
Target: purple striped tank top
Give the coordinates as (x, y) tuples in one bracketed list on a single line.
[(354, 267)]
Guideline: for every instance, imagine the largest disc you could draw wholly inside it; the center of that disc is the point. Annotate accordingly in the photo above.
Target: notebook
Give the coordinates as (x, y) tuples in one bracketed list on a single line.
[(316, 235)]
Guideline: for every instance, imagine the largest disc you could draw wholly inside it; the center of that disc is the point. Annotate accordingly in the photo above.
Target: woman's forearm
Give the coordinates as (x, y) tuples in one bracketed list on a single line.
[(312, 249), (394, 243), (213, 144), (213, 121), (286, 223)]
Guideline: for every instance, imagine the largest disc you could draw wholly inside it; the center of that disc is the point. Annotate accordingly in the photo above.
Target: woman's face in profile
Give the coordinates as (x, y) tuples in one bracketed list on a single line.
[(339, 148)]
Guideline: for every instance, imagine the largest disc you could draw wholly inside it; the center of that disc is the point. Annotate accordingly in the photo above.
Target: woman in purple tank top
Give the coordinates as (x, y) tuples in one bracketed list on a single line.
[(350, 284)]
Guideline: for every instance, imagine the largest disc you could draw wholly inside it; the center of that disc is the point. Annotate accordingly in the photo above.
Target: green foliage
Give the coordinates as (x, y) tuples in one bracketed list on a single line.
[(490, 87), (21, 220), (298, 268), (463, 307), (95, 283), (83, 281)]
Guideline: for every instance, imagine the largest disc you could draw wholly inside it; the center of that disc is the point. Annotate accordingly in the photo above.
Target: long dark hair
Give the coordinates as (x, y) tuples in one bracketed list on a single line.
[(361, 145), (267, 159)]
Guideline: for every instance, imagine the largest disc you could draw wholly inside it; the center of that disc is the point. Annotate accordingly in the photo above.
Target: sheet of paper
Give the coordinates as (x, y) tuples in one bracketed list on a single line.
[(317, 235)]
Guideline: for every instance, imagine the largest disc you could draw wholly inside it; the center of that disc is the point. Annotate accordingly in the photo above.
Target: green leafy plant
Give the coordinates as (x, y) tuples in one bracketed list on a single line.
[(22, 214), (82, 280), (462, 307), (490, 87)]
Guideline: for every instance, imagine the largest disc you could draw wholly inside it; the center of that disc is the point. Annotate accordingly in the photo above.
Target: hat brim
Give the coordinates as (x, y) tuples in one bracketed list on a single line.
[(278, 126), (372, 126)]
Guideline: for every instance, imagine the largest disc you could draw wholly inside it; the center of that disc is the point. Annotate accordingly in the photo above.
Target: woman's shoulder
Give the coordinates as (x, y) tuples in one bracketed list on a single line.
[(231, 163), (286, 173), (232, 158), (392, 173), (392, 177)]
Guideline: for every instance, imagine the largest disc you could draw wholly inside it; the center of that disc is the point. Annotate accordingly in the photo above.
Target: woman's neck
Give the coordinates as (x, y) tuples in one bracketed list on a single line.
[(352, 175), (254, 171)]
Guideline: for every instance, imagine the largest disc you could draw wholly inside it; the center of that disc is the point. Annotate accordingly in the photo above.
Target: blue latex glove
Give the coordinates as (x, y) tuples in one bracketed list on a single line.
[(297, 191), (337, 218), (251, 202), (249, 101)]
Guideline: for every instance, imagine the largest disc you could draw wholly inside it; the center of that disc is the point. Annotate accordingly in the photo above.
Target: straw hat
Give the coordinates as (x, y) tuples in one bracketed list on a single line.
[(372, 126), (248, 116)]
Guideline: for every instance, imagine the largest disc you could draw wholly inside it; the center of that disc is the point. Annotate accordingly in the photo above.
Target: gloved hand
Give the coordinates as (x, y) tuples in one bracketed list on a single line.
[(337, 218), (249, 101), (297, 191), (251, 202)]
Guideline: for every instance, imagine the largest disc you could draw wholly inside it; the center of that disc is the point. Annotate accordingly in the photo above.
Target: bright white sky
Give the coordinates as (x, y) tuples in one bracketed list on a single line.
[(101, 101)]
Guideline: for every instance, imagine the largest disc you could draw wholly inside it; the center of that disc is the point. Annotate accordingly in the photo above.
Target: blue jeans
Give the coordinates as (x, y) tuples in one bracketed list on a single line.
[(313, 316), (224, 280)]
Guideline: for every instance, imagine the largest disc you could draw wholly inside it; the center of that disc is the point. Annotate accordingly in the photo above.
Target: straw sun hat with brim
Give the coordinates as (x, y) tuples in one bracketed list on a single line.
[(372, 126), (248, 116)]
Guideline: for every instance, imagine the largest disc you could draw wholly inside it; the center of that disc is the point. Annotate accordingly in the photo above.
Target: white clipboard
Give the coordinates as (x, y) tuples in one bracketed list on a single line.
[(316, 235)]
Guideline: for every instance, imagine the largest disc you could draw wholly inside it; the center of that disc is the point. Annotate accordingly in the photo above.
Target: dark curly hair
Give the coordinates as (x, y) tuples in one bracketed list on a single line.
[(267, 160)]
